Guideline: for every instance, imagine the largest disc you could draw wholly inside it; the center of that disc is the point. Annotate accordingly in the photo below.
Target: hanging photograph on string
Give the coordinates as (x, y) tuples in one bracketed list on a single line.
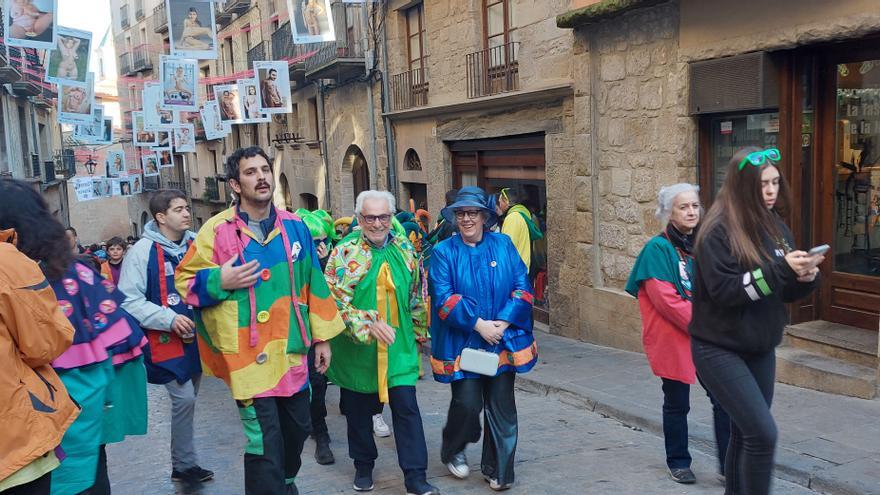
[(107, 131), (150, 164), (137, 186), (166, 158), (311, 21), (93, 132), (179, 78), (98, 187), (31, 23), (155, 117), (250, 102), (115, 164), (274, 86), (140, 135), (75, 104), (191, 28), (214, 128), (83, 188), (229, 103), (69, 62), (163, 140), (124, 186), (185, 138)]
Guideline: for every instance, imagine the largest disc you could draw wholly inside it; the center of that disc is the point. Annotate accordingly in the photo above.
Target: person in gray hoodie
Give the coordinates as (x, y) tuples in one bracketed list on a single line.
[(172, 356)]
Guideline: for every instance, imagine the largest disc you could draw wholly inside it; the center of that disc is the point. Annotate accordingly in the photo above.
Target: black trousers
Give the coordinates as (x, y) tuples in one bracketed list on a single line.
[(276, 430), (40, 486), (318, 402), (743, 385), (409, 435), (494, 396), (676, 405)]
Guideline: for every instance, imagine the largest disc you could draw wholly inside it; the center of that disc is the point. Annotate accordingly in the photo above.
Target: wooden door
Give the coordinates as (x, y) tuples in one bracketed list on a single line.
[(848, 170)]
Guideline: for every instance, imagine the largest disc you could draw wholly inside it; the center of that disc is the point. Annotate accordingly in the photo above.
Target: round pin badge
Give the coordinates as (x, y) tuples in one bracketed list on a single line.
[(107, 306), (173, 299), (493, 264), (262, 358), (100, 321), (263, 316), (265, 274), (70, 286)]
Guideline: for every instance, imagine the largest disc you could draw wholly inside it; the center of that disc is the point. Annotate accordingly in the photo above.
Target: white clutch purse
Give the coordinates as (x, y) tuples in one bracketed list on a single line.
[(479, 361)]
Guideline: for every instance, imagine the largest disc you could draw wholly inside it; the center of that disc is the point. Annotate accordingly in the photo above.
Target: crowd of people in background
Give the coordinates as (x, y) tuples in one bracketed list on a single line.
[(279, 303)]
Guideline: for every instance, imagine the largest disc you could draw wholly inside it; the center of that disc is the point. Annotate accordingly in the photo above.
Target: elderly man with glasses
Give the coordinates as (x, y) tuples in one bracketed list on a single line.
[(375, 279)]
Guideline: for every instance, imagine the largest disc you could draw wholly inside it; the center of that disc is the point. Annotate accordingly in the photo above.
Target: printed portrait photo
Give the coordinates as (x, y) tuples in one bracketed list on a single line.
[(227, 98), (311, 21), (75, 104), (150, 164), (166, 159), (191, 28), (185, 138), (115, 164), (140, 135), (69, 62), (136, 184), (214, 127), (248, 90), (179, 77), (30, 23), (157, 118), (274, 86)]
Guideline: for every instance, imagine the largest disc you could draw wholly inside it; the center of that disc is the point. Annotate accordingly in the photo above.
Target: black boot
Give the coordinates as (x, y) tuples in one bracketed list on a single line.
[(323, 454)]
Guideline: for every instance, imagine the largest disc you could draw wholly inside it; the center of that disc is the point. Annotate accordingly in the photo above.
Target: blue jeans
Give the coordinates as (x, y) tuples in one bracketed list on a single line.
[(676, 405), (743, 385)]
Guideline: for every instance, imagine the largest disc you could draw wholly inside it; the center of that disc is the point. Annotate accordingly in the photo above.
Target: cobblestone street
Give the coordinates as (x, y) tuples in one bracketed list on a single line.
[(562, 450)]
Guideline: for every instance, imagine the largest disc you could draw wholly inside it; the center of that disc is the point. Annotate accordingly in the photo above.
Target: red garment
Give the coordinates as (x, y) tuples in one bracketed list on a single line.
[(665, 318)]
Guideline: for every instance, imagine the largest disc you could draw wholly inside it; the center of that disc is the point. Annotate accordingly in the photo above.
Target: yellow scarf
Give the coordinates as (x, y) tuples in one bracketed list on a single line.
[(386, 303)]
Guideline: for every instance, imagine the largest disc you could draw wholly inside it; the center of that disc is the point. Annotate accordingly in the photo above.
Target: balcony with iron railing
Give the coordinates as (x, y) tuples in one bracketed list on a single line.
[(284, 49), (409, 89), (141, 59), (256, 53), (159, 21), (339, 61), (27, 62), (493, 70), (47, 97), (8, 73), (227, 11)]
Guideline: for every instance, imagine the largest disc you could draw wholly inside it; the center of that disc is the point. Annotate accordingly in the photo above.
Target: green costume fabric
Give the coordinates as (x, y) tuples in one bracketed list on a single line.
[(352, 274), (127, 393), (534, 232), (661, 261)]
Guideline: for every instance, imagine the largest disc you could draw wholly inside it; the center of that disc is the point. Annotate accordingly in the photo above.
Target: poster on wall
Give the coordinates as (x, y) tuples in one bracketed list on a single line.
[(98, 188), (229, 103), (115, 164), (75, 104), (250, 102), (311, 21), (274, 86), (185, 138), (31, 23), (155, 117), (140, 135), (83, 188), (69, 63), (179, 78), (191, 28), (150, 164), (214, 127)]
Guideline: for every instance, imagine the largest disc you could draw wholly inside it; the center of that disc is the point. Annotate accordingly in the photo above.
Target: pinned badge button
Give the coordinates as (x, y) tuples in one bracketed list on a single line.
[(262, 358), (263, 316), (493, 264), (265, 274)]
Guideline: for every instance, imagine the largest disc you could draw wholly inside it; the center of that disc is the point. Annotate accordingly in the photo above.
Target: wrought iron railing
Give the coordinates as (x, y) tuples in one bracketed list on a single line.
[(409, 89), (125, 63), (212, 189), (36, 166), (159, 21), (140, 58), (256, 53), (328, 52), (493, 70), (283, 47)]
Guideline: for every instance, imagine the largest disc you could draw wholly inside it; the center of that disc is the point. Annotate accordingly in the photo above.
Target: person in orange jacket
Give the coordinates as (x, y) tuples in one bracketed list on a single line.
[(34, 404), (112, 268)]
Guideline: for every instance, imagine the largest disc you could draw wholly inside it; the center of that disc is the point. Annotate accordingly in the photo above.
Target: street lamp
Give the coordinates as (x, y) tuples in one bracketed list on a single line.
[(90, 165)]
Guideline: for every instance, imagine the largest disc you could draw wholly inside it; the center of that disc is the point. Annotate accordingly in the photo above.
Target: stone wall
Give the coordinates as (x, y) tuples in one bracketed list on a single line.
[(645, 139)]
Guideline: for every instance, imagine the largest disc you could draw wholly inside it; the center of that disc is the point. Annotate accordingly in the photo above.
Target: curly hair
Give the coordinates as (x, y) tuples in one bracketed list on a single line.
[(40, 236)]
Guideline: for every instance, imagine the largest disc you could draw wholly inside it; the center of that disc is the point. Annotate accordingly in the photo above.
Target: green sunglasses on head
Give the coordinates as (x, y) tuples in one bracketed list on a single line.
[(757, 158)]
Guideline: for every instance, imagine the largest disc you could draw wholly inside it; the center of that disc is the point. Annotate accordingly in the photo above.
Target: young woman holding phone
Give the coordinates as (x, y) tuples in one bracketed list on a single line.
[(747, 269)]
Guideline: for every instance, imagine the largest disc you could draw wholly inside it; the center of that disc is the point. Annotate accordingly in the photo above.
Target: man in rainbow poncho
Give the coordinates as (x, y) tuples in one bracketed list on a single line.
[(375, 278), (260, 302)]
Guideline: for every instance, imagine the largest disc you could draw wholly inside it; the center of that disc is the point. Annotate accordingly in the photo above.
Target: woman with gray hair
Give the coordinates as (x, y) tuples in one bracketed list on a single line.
[(661, 280)]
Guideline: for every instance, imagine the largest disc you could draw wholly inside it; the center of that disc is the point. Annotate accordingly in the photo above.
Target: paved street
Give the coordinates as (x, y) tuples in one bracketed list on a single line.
[(562, 450)]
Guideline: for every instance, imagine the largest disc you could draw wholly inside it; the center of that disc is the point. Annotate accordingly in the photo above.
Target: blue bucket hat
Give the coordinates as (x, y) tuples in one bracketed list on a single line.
[(473, 197)]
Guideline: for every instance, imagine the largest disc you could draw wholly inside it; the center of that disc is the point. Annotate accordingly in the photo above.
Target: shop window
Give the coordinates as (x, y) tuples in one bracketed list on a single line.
[(857, 169), (729, 133)]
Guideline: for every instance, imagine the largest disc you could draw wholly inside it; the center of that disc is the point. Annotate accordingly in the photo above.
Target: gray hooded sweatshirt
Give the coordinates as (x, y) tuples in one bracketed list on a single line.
[(133, 277)]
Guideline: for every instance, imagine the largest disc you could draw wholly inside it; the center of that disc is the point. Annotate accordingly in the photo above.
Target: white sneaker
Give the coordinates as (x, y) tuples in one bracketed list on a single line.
[(380, 429), (498, 487)]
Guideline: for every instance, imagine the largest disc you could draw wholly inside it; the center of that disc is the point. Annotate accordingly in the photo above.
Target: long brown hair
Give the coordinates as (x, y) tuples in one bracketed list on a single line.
[(740, 209)]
